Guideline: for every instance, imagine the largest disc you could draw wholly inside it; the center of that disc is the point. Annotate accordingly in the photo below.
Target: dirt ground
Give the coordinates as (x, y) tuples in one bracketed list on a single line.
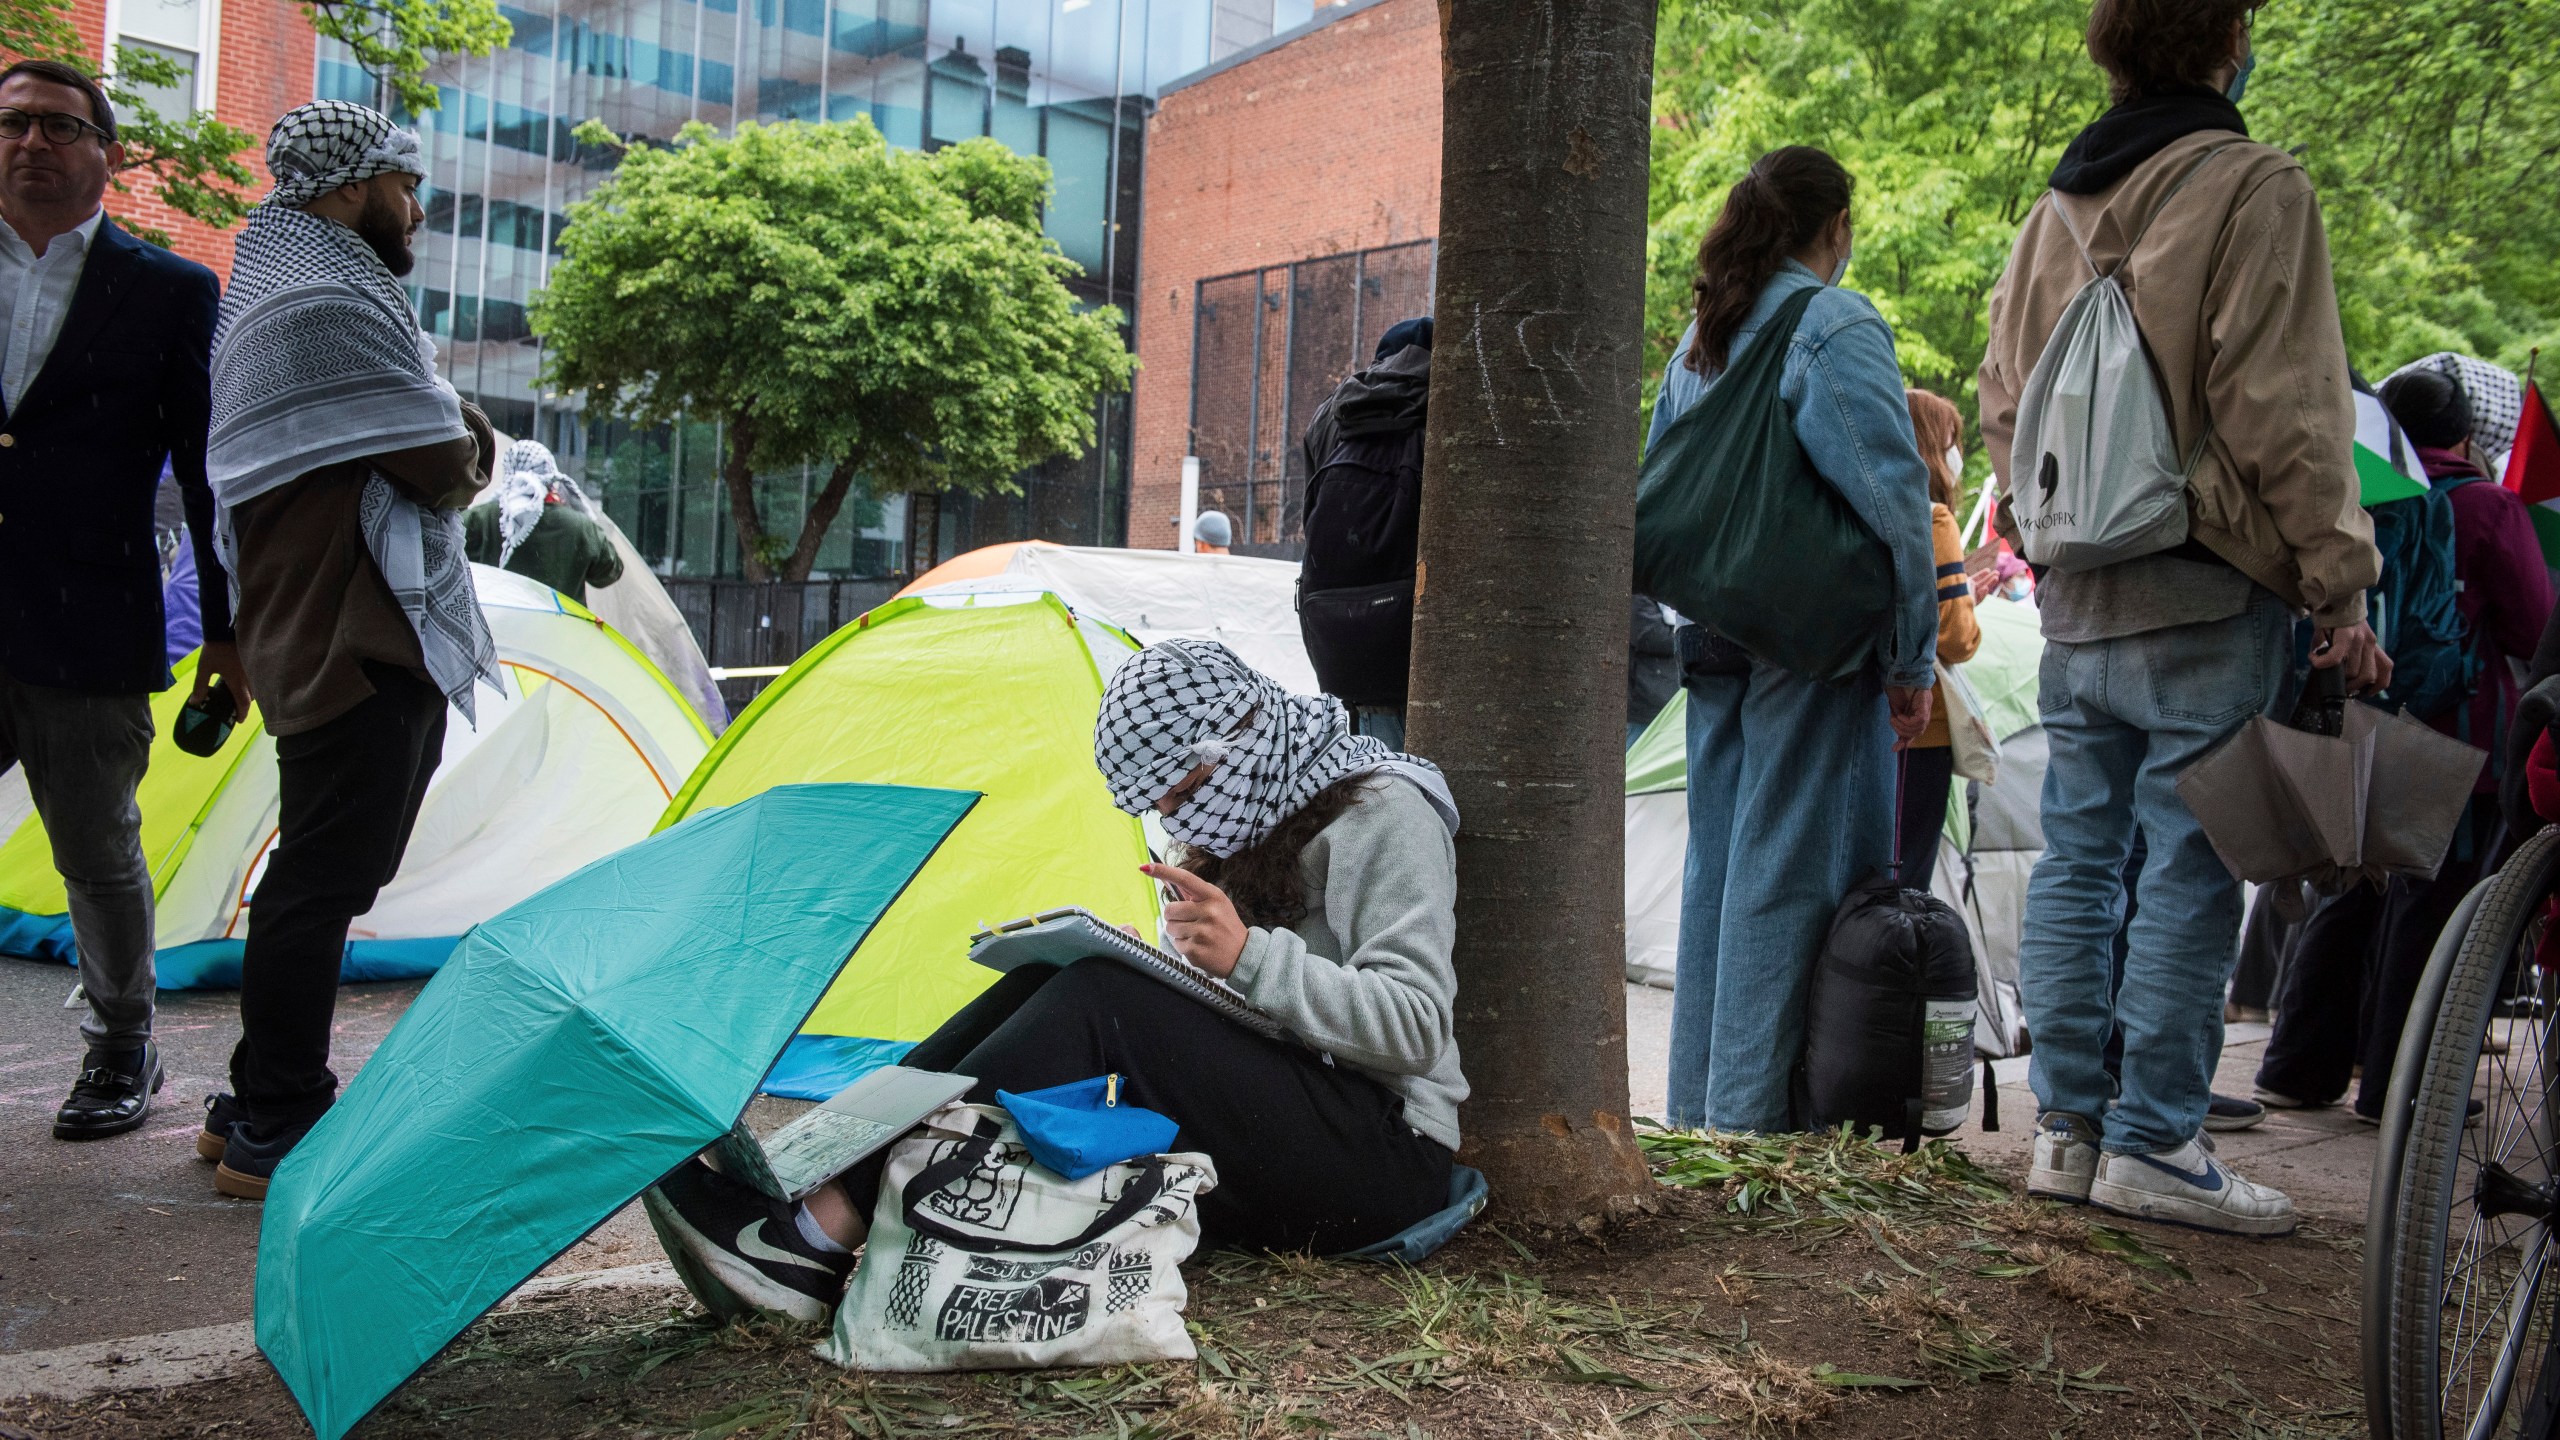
[(1812, 1285)]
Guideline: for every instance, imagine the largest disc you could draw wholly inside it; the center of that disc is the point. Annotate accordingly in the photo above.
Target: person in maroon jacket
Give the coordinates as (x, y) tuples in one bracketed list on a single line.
[(2505, 600)]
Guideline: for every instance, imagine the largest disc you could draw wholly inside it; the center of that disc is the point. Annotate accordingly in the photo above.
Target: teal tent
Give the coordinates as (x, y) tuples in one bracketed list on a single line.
[(573, 1049)]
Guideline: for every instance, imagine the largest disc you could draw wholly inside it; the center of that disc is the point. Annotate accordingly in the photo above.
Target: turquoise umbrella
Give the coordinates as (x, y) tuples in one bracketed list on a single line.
[(573, 1050)]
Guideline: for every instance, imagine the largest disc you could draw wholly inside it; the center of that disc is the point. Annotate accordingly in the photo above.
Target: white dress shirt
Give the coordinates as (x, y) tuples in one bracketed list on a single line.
[(35, 293)]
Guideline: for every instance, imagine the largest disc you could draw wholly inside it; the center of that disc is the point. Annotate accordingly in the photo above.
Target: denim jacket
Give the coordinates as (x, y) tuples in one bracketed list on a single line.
[(1844, 389)]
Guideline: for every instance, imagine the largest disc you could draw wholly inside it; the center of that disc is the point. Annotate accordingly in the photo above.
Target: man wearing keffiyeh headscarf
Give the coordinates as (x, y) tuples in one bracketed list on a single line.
[(542, 525), (340, 459)]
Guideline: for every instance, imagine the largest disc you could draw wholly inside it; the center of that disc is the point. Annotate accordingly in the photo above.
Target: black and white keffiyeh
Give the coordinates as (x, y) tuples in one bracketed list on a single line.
[(2497, 397), (318, 359), (318, 147), (529, 478), (1181, 704)]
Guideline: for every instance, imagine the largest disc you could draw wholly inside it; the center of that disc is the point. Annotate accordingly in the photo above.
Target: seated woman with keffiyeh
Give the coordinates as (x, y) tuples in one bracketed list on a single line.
[(1314, 871)]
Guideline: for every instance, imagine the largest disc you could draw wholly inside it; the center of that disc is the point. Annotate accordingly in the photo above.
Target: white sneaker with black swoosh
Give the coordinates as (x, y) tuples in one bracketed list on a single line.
[(739, 1250), (2189, 1186)]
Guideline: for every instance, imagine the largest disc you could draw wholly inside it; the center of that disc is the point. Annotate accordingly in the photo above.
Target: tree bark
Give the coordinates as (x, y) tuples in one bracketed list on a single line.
[(822, 514), (738, 477), (1520, 625)]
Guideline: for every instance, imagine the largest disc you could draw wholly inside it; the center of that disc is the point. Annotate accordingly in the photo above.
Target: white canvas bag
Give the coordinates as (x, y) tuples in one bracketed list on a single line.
[(979, 1258), (2095, 475), (1975, 750)]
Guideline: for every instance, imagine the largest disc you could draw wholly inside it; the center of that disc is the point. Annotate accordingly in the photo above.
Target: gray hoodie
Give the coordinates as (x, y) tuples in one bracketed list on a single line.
[(1366, 976)]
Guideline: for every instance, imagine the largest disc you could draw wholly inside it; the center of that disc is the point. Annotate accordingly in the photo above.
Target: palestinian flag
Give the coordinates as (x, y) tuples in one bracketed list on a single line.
[(2387, 465), (2533, 470)]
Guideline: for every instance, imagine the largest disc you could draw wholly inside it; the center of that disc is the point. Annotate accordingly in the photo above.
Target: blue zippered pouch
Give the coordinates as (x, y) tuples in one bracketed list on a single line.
[(1076, 1129)]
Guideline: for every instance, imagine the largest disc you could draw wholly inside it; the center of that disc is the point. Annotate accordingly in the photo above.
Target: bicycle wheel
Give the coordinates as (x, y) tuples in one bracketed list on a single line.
[(2382, 1198), (2472, 1342)]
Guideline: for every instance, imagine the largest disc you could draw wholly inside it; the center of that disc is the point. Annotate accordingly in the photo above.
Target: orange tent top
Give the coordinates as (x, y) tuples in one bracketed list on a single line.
[(976, 564)]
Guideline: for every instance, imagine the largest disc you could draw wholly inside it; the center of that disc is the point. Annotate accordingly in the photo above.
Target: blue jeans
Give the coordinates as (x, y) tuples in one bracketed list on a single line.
[(1380, 722), (1790, 804), (2123, 718)]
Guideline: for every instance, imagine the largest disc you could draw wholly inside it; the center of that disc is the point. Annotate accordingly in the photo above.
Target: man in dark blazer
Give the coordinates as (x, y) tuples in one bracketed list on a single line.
[(104, 347)]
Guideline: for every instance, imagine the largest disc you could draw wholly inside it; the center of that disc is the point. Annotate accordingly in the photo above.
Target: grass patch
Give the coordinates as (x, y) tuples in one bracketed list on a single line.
[(1833, 1175)]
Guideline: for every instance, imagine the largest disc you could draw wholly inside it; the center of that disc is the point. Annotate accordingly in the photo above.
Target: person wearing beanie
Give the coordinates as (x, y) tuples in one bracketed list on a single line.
[(1359, 516), (1212, 533)]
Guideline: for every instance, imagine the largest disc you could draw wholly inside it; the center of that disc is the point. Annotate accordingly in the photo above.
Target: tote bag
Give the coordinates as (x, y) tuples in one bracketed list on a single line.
[(981, 1259), (1736, 530)]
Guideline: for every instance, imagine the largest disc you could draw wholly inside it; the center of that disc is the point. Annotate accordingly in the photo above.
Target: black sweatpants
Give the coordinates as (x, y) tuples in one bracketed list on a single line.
[(1310, 1156), (348, 794)]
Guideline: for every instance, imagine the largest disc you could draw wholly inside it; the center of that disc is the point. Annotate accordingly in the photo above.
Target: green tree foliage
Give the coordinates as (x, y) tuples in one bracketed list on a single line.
[(893, 316), (396, 40), (193, 161), (2430, 126), (1949, 112)]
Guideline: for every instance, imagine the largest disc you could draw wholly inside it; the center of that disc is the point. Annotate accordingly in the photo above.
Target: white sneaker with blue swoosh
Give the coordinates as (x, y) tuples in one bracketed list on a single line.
[(2189, 1186)]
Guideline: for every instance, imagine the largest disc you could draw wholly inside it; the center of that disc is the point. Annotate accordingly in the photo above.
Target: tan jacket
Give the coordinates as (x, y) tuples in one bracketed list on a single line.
[(2232, 290)]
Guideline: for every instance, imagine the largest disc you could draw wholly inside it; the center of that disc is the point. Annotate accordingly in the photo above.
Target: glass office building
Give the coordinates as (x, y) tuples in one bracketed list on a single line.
[(1070, 80)]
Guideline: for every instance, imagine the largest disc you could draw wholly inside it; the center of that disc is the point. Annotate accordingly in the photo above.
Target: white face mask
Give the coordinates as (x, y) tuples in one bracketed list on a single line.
[(1840, 271), (1955, 462)]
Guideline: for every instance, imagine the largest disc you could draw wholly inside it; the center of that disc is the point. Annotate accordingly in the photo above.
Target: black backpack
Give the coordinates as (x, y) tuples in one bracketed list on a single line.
[(1355, 586)]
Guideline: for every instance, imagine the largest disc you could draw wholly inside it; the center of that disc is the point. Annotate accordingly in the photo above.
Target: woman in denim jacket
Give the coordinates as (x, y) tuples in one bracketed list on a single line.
[(1791, 781)]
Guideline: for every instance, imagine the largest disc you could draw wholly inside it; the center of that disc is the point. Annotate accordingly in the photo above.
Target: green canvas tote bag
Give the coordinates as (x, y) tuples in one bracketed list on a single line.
[(1736, 530)]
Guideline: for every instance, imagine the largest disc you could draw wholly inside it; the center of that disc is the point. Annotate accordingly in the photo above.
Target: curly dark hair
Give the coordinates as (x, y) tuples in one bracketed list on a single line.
[(1262, 879), (2149, 47)]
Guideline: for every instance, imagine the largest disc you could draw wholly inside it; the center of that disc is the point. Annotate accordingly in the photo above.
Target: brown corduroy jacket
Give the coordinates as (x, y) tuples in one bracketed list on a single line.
[(2232, 290)]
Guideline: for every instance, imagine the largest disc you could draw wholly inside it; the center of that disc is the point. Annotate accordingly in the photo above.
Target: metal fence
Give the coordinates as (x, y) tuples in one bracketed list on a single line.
[(1267, 347), (749, 624)]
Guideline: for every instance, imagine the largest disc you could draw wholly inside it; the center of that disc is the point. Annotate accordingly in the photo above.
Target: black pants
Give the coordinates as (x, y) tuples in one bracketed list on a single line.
[(2354, 969), (1310, 1156), (1927, 776), (348, 793)]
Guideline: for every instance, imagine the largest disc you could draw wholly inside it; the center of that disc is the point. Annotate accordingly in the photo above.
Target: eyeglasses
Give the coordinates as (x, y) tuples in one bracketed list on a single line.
[(59, 127)]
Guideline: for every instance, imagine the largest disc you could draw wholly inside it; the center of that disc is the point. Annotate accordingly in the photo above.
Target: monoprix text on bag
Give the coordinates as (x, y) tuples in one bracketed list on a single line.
[(1737, 531)]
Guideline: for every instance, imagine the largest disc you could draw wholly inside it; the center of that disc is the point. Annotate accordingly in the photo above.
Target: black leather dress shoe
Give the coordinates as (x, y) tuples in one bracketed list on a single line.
[(113, 1094)]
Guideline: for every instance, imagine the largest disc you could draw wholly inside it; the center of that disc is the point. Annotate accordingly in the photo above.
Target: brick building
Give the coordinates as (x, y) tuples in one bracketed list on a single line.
[(1291, 207), (248, 61)]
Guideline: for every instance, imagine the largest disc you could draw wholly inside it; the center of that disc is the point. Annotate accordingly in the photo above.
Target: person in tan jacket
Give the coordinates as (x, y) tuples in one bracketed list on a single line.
[(2151, 662)]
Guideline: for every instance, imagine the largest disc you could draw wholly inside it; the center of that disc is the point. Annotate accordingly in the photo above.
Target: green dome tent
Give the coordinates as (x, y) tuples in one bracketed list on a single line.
[(1982, 867), (995, 693)]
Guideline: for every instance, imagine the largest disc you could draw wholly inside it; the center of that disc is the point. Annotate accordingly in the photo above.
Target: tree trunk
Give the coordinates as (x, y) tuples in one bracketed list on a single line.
[(739, 478), (822, 514), (1520, 626)]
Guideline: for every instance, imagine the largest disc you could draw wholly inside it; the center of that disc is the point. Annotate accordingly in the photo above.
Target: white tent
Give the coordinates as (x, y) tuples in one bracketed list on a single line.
[(1983, 861), (1250, 605), (575, 761)]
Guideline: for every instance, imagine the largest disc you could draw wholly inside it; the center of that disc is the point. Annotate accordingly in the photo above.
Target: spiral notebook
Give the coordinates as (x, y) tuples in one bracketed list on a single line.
[(1062, 937)]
